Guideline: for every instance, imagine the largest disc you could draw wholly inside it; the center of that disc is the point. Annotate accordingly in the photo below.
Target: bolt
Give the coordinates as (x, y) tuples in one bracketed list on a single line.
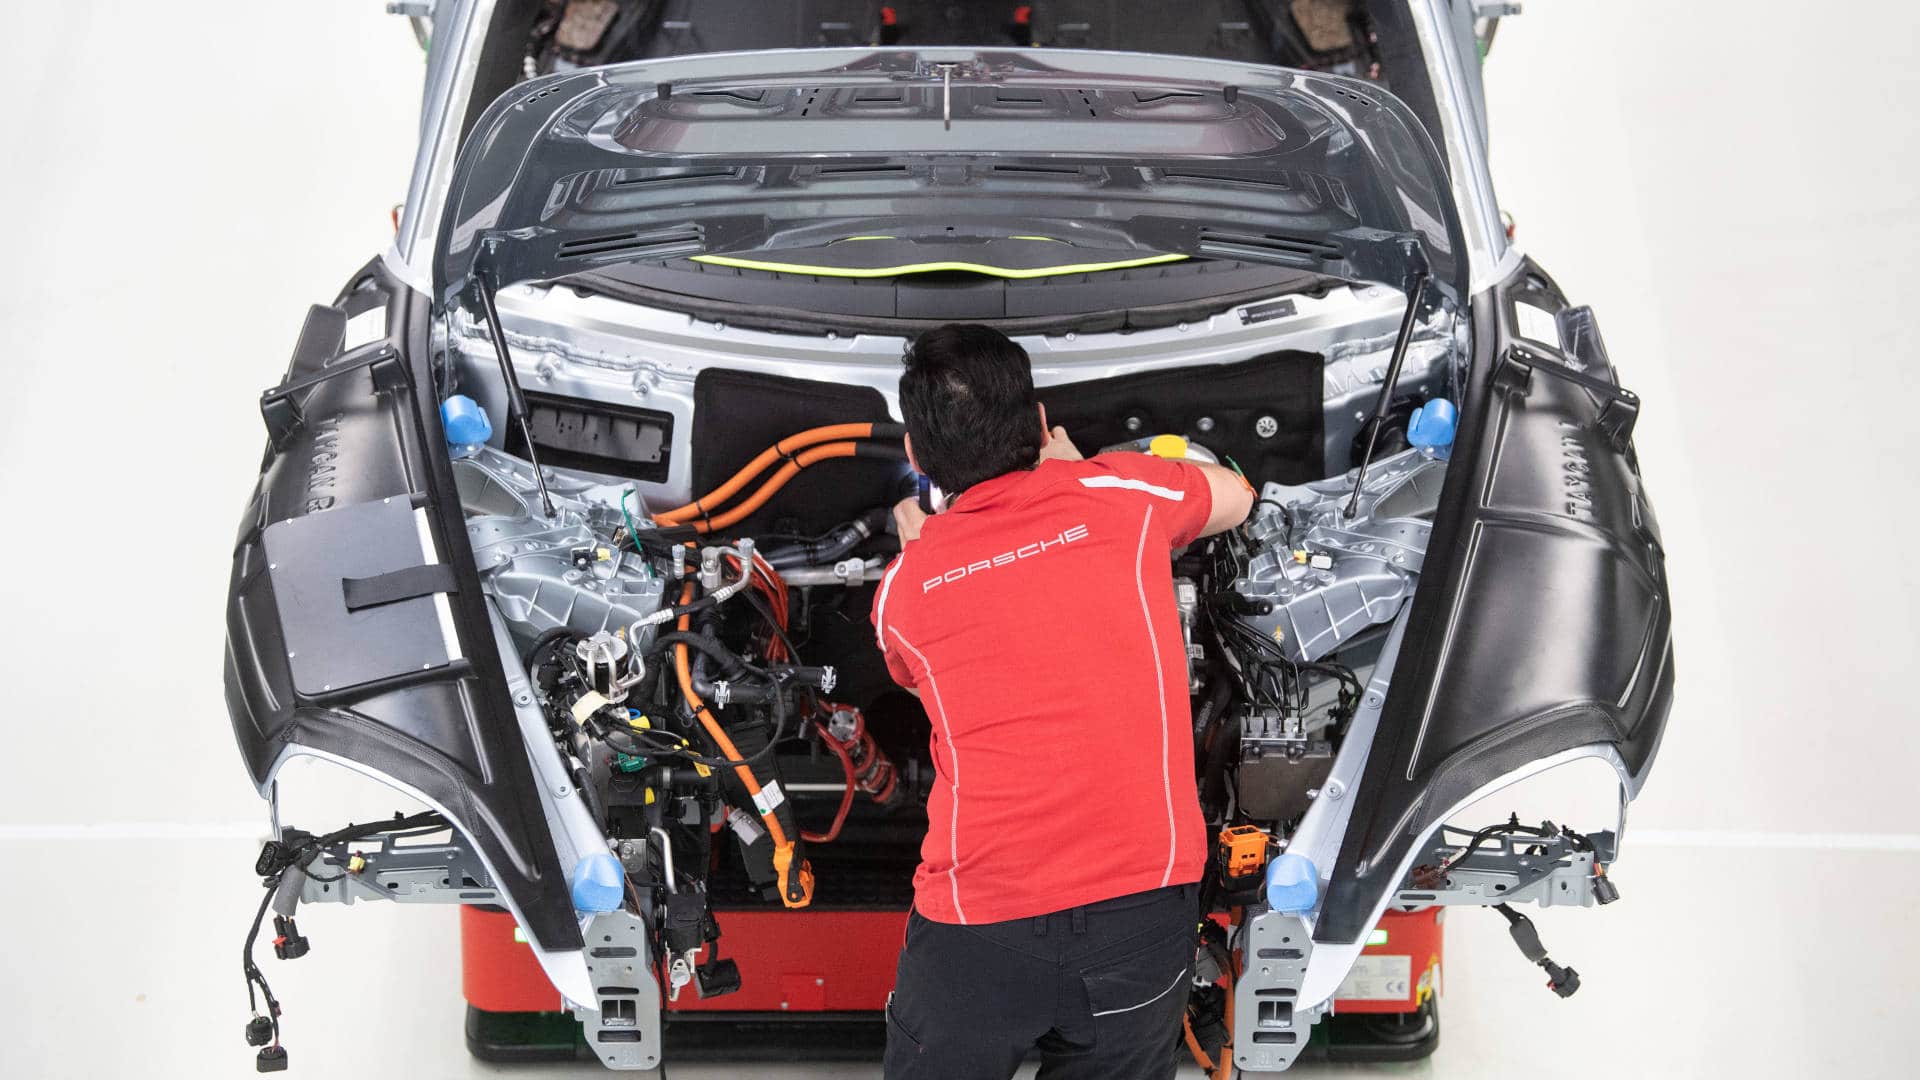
[(523, 698), (1071, 335), (1266, 427), (1205, 423), (1182, 327), (1266, 971), (819, 982), (1134, 424)]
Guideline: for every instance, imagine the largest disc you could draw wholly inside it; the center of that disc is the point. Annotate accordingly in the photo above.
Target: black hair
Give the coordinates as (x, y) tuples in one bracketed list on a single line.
[(967, 398)]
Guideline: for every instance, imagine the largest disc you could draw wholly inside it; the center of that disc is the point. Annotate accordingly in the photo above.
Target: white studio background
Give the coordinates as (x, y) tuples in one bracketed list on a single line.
[(1729, 184)]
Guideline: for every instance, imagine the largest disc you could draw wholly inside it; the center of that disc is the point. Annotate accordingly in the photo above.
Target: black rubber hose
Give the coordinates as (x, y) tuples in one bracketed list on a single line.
[(730, 663)]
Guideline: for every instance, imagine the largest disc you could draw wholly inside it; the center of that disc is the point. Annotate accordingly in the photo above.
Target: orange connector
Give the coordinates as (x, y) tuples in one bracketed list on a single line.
[(1243, 850)]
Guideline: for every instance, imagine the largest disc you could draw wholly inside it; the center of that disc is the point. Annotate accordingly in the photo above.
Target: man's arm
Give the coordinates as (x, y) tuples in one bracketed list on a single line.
[(1232, 497)]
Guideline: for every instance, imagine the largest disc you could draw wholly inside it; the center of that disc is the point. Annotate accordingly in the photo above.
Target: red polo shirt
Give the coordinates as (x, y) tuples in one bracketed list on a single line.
[(1036, 619)]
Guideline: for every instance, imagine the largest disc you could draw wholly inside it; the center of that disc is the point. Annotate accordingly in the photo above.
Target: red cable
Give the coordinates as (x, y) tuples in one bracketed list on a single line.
[(846, 797)]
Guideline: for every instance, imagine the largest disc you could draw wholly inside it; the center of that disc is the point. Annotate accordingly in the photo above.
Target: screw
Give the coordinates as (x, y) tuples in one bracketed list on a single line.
[(1266, 427)]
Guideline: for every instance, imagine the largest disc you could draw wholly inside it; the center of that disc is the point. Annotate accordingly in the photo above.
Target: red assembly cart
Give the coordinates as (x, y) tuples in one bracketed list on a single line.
[(813, 984)]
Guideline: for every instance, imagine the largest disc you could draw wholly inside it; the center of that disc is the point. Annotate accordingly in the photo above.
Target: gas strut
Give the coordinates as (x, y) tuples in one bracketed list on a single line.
[(1400, 340), (516, 401)]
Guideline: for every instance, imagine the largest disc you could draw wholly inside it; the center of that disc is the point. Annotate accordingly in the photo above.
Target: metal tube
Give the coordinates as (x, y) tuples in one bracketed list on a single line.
[(1400, 341)]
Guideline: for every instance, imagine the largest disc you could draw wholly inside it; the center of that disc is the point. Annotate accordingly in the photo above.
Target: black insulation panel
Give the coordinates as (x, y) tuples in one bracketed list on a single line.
[(1285, 386), (737, 414)]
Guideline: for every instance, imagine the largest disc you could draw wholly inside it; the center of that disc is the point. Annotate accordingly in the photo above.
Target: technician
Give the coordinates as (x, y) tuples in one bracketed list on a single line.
[(1055, 904)]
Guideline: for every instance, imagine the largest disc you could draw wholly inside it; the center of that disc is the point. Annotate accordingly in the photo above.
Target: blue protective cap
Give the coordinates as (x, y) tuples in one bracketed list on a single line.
[(465, 421), (1292, 884), (1433, 424), (598, 883)]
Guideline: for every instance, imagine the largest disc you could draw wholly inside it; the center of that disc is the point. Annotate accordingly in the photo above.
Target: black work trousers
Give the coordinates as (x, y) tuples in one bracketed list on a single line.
[(1098, 989)]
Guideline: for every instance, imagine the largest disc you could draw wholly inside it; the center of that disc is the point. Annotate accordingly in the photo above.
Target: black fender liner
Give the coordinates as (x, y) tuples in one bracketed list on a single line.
[(1542, 623), (424, 700)]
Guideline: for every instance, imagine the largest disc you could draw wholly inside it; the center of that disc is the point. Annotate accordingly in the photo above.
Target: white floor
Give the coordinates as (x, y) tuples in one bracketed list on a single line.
[(1728, 183)]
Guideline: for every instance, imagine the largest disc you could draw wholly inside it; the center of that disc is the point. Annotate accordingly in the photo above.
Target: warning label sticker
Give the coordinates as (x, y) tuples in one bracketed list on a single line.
[(1378, 978), (1536, 324)]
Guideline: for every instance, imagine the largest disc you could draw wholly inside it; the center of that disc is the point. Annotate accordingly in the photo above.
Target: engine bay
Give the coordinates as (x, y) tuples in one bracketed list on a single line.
[(706, 675)]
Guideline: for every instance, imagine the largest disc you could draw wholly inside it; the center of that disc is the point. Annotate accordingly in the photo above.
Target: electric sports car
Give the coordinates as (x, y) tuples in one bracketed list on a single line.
[(574, 500)]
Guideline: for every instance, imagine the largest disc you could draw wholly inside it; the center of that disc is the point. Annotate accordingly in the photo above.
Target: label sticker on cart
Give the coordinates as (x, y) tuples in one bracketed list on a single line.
[(1378, 978)]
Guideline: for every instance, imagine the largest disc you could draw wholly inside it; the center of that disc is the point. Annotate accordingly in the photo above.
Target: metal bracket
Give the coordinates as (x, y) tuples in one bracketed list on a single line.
[(623, 1031), (1270, 1029), (1549, 871), (437, 873)]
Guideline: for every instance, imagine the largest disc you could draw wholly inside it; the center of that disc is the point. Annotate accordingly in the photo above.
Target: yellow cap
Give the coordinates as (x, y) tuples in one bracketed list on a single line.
[(1167, 446)]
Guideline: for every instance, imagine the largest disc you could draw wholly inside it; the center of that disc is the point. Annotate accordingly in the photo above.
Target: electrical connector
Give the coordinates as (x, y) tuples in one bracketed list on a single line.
[(270, 1059), (287, 942), (1604, 890), (717, 977), (259, 1031), (1563, 981)]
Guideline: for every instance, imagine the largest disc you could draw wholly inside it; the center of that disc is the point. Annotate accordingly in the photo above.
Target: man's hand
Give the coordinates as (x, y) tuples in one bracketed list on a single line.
[(907, 518), (1059, 446)]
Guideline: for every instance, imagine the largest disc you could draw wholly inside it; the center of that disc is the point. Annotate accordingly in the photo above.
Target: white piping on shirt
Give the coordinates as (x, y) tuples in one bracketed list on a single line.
[(1160, 687), (880, 609), (1131, 484), (953, 756)]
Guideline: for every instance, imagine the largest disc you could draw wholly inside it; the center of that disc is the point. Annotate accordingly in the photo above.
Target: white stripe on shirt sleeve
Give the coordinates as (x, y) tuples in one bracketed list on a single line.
[(1131, 484), (880, 609)]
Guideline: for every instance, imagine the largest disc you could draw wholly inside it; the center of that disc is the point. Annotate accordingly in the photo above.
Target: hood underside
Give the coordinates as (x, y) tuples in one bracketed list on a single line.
[(1044, 162)]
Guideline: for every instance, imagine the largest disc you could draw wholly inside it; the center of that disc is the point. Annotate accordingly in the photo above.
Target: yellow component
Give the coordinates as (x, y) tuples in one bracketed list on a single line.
[(1243, 849), (1167, 446), (702, 769), (1048, 239), (640, 722), (649, 796), (602, 554), (775, 267), (590, 702), (1279, 634), (1300, 556), (355, 864)]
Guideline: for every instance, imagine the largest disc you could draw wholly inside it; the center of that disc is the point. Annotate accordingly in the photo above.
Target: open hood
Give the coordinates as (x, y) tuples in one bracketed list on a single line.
[(1101, 159)]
